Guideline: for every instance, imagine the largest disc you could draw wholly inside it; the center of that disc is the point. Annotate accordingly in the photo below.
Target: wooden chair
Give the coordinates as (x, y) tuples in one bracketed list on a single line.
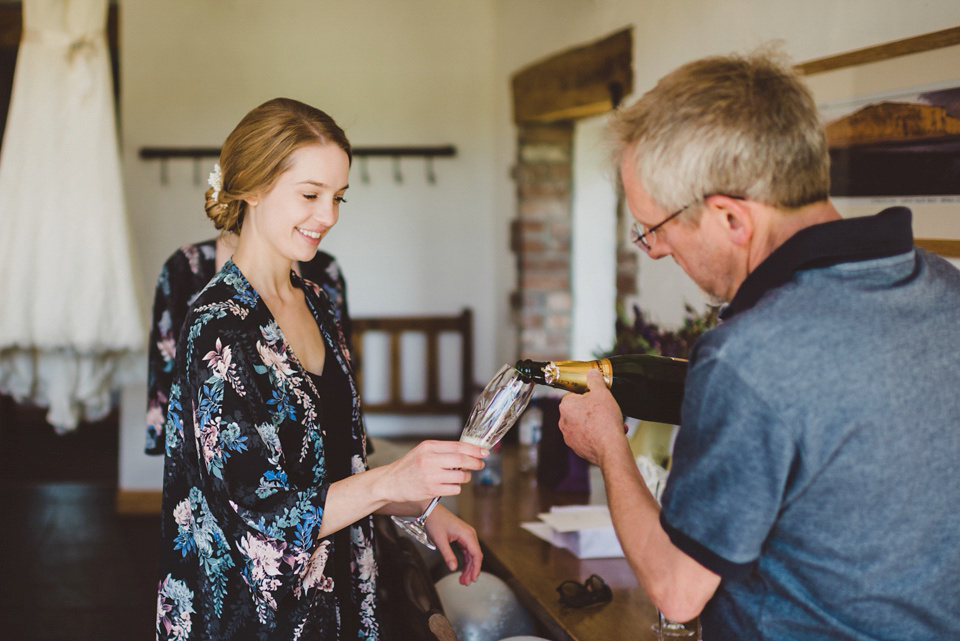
[(432, 327)]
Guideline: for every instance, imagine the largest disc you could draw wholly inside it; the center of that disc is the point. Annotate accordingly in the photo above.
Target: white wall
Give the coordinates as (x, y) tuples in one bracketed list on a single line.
[(412, 73), (417, 72), (421, 72), (594, 229)]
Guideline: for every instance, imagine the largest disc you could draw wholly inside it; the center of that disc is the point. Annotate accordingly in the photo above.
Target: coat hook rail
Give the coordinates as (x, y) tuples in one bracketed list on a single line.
[(198, 154), (165, 153)]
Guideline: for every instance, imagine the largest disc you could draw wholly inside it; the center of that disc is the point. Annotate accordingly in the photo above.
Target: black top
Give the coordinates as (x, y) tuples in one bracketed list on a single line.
[(334, 411)]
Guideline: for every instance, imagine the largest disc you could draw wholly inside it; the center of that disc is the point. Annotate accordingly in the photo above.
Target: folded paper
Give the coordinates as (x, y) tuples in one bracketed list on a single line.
[(585, 530)]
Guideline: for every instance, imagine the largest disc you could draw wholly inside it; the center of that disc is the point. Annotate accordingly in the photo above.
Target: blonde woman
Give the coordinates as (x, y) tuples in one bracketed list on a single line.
[(267, 496)]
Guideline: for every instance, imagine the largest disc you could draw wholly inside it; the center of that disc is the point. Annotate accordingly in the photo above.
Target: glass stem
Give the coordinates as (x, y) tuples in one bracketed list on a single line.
[(423, 517)]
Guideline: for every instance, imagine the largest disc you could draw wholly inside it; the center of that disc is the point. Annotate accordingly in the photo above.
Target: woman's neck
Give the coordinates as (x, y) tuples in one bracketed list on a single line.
[(266, 270), (226, 244)]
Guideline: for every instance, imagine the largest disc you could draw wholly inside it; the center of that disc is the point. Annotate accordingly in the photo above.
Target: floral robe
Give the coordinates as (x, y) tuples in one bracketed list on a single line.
[(240, 555), (184, 275)]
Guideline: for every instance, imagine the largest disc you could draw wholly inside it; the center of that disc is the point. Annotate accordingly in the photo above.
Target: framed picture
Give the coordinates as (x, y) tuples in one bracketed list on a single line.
[(892, 115)]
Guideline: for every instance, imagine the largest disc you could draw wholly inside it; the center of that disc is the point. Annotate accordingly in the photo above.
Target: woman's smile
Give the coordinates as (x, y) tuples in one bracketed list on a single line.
[(314, 236)]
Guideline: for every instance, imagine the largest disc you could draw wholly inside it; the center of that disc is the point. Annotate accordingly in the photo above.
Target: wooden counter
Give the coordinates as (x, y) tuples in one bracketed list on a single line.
[(534, 568)]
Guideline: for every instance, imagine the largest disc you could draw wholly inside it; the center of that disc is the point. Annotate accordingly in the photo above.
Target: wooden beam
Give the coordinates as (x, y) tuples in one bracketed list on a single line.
[(940, 246), (11, 21), (580, 82), (916, 44)]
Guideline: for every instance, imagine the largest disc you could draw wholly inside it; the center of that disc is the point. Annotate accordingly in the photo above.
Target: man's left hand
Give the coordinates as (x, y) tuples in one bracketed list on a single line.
[(592, 423)]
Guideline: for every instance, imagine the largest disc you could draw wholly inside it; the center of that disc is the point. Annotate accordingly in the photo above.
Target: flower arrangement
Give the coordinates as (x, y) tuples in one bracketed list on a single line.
[(643, 337)]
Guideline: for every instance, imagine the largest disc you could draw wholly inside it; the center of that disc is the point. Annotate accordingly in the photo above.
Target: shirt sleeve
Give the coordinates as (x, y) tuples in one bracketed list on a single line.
[(731, 463), (161, 356)]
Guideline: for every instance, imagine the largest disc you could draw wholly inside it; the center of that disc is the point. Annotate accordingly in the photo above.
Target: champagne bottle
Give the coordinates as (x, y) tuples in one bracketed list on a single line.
[(645, 386)]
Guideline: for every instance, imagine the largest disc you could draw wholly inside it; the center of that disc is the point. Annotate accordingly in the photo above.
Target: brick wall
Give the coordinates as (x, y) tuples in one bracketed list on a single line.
[(541, 241)]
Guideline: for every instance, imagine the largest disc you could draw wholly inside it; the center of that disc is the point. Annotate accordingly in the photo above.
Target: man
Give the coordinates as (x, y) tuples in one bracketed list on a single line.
[(814, 488)]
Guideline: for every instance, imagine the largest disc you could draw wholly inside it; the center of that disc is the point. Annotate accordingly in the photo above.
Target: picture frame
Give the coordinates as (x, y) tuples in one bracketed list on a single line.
[(865, 97)]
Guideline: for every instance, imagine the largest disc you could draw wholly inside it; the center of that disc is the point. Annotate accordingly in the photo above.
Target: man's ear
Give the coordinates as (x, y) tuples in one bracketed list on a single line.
[(736, 218)]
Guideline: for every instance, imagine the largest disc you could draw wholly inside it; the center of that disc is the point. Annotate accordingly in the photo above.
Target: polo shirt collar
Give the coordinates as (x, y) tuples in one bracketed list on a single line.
[(840, 241)]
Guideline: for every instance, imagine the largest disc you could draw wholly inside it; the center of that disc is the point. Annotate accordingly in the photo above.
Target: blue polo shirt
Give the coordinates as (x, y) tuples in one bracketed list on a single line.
[(817, 470)]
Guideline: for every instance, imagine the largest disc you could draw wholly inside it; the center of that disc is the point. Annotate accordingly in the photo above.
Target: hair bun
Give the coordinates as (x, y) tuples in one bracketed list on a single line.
[(224, 219)]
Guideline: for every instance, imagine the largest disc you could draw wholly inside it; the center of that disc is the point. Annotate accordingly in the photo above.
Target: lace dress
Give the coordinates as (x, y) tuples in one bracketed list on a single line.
[(71, 315)]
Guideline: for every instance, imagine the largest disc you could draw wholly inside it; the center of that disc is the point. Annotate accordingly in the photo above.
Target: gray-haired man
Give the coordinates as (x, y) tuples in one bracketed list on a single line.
[(814, 487)]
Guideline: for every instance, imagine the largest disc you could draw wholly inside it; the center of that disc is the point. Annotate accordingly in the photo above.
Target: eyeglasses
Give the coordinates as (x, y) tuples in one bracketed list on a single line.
[(580, 595), (645, 239)]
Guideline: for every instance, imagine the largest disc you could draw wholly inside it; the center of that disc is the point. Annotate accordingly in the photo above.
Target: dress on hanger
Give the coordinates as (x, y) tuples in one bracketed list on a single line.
[(71, 315)]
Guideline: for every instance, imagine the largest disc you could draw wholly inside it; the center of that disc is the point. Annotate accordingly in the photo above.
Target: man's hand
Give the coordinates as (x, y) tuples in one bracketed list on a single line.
[(592, 426), (592, 423)]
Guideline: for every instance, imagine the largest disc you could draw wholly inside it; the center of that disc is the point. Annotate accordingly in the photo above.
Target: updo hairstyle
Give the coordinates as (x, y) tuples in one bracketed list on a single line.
[(258, 150)]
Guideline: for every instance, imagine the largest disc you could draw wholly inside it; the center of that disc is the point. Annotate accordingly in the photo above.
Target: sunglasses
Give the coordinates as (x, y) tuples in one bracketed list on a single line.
[(580, 595)]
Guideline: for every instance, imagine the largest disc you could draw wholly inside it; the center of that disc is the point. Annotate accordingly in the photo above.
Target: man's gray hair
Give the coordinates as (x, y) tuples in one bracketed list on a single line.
[(738, 125)]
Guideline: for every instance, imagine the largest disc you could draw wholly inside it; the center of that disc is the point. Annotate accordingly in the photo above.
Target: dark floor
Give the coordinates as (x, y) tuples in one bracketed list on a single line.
[(71, 568)]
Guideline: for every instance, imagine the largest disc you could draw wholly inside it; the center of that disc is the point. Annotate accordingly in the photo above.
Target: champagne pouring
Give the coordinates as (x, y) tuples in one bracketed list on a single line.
[(645, 386), (500, 404)]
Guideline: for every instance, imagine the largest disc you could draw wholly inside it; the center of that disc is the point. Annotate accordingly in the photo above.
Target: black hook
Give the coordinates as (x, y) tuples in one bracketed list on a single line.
[(364, 174)]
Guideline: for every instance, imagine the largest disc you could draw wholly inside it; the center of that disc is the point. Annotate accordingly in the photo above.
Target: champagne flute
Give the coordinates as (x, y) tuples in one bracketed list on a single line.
[(665, 628), (496, 410)]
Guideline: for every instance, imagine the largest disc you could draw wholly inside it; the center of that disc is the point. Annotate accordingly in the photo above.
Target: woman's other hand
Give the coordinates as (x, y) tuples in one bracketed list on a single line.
[(444, 529), (431, 469)]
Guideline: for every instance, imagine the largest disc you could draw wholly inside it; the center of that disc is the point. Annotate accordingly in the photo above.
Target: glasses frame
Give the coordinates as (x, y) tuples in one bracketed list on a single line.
[(639, 237), (580, 595)]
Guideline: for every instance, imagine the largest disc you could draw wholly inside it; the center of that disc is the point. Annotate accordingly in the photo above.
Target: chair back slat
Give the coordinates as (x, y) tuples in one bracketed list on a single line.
[(431, 328)]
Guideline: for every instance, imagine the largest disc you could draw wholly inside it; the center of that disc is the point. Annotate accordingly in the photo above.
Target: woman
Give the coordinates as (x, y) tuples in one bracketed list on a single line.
[(183, 276), (267, 500)]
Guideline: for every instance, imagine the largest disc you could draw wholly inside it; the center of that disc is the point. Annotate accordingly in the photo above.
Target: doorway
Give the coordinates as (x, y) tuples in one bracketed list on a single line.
[(593, 263), (566, 237)]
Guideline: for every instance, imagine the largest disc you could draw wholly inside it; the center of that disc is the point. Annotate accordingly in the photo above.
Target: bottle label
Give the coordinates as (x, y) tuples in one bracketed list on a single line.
[(572, 375)]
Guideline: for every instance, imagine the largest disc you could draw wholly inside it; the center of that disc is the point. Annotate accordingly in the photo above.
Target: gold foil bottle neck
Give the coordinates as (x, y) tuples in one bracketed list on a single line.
[(551, 373), (572, 375)]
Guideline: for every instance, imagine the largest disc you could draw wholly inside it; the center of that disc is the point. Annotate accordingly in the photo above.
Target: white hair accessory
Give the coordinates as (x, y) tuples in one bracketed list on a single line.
[(215, 180)]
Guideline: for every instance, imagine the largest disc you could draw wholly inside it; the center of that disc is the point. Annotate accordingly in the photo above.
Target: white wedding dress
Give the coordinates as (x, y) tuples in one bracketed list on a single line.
[(69, 308)]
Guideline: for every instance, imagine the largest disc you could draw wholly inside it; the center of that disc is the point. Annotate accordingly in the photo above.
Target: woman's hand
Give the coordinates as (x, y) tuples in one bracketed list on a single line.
[(431, 469), (444, 528)]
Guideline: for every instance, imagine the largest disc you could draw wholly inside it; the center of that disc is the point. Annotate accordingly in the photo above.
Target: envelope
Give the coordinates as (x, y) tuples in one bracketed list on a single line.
[(585, 530)]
